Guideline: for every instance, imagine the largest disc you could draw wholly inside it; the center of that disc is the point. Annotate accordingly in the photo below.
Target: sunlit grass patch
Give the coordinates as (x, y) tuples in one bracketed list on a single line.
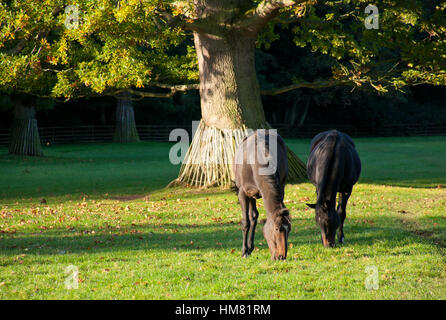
[(131, 240)]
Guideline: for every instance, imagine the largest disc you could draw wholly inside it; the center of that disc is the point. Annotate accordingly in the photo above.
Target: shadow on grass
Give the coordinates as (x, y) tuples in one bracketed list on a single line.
[(181, 237)]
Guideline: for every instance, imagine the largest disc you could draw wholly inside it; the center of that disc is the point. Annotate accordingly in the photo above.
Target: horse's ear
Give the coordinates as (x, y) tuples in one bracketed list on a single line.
[(312, 205)]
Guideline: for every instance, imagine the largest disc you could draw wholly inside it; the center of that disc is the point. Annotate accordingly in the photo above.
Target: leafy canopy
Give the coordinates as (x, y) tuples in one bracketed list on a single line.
[(103, 46), (89, 48)]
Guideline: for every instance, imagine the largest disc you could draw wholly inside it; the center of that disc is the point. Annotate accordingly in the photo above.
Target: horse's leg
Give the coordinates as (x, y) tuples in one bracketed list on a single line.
[(244, 203), (253, 215), (342, 205)]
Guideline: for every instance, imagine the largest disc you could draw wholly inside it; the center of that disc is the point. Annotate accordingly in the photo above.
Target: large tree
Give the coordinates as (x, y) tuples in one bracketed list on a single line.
[(407, 48), (130, 45)]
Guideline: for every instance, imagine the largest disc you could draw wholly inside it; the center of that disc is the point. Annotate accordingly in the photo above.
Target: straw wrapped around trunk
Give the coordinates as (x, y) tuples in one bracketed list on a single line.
[(208, 162)]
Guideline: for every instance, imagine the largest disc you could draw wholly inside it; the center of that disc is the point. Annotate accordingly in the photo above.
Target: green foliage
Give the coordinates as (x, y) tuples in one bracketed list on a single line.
[(133, 44), (113, 46), (408, 48)]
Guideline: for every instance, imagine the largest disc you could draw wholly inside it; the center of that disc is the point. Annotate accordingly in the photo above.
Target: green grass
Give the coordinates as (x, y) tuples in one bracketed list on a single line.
[(108, 214), (68, 170), (406, 162)]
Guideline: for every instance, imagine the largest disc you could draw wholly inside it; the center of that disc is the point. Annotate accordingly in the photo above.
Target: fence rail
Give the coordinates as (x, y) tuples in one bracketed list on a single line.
[(310, 130), (104, 133)]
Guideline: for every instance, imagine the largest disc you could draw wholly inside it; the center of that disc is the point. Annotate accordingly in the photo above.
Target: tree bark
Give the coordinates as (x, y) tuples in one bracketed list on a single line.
[(230, 105), (125, 128), (229, 90), (24, 139)]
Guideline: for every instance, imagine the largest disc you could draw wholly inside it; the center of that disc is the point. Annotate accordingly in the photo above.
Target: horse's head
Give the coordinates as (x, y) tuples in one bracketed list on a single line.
[(328, 220), (276, 232)]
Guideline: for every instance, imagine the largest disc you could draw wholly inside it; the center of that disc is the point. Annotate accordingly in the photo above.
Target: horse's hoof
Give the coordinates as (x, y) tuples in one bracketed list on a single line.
[(245, 255), (341, 240)]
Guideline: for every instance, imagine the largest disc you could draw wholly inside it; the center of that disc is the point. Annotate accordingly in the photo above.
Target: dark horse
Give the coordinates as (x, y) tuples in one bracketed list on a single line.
[(333, 166), (260, 170)]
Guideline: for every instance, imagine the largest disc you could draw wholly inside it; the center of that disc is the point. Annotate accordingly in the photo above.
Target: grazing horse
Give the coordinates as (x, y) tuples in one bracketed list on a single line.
[(260, 169), (333, 166)]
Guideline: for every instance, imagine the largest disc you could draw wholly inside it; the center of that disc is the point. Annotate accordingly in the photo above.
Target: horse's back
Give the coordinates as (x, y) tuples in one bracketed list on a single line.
[(336, 150), (247, 167), (331, 133), (352, 162)]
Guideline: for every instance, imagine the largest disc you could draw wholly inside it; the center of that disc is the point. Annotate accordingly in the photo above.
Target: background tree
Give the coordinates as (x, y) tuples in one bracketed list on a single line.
[(21, 44), (117, 50), (125, 127), (84, 50), (24, 139)]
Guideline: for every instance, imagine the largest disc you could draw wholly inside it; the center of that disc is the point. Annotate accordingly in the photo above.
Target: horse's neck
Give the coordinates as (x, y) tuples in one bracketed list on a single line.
[(328, 189), (329, 193), (272, 200)]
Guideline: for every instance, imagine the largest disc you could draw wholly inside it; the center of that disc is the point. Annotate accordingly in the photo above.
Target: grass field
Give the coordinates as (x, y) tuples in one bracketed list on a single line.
[(108, 215)]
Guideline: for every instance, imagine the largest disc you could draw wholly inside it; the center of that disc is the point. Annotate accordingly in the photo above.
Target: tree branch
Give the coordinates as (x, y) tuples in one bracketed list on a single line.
[(272, 92), (178, 21), (141, 94), (177, 87), (265, 11), (173, 89), (310, 85)]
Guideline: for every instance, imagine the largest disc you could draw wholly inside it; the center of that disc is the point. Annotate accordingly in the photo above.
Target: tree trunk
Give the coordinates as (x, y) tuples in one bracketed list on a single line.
[(125, 128), (24, 139), (229, 91), (230, 106)]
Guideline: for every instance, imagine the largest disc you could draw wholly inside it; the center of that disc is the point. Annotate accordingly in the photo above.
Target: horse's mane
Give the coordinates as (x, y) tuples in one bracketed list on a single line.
[(330, 142)]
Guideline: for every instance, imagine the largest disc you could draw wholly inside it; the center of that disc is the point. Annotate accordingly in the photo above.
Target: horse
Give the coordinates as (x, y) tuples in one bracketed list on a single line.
[(333, 167), (260, 169)]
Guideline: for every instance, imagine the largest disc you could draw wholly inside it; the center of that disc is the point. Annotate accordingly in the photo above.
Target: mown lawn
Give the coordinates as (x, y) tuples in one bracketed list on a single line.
[(108, 215)]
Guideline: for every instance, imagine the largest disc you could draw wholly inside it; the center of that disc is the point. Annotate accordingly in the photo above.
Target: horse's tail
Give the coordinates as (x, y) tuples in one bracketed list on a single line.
[(328, 164)]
